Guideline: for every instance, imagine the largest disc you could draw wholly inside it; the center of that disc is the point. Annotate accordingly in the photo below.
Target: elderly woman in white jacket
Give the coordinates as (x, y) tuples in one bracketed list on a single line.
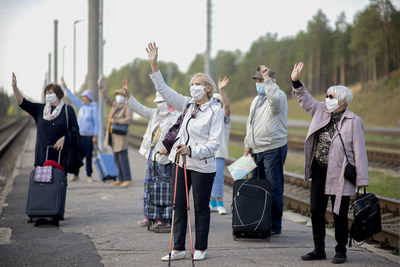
[(160, 120), (199, 138)]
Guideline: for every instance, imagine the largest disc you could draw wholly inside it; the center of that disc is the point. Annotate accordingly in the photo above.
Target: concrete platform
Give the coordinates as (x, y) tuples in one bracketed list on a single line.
[(100, 229)]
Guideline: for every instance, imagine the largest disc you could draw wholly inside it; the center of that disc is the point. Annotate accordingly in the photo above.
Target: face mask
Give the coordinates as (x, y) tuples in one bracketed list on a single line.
[(197, 92), (120, 99), (51, 98), (260, 88), (162, 106), (331, 104)]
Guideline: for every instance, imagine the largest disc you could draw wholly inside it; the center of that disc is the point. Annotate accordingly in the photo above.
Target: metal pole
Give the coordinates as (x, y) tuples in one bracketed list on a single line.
[(100, 139), (49, 71), (55, 50), (207, 56), (93, 47), (74, 72)]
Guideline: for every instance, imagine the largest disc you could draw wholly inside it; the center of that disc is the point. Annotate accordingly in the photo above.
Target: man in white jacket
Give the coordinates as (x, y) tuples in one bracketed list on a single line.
[(266, 133)]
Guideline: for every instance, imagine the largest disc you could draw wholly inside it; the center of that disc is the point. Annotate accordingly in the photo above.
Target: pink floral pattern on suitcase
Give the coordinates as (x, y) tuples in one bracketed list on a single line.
[(43, 174)]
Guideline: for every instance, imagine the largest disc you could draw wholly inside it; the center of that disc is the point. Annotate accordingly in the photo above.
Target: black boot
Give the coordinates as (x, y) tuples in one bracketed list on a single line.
[(314, 255), (339, 258)]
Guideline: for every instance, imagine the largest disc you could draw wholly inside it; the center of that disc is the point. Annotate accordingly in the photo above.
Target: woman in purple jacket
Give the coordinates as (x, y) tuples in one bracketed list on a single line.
[(325, 161)]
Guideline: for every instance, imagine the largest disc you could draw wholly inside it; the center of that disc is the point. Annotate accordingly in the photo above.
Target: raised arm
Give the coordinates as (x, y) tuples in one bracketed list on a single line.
[(100, 84), (74, 99), (307, 102), (17, 94), (272, 91), (134, 105), (170, 95), (225, 100)]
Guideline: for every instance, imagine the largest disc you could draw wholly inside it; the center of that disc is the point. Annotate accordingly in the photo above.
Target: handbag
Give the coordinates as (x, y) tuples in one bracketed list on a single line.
[(120, 129), (350, 173), (170, 137), (367, 217)]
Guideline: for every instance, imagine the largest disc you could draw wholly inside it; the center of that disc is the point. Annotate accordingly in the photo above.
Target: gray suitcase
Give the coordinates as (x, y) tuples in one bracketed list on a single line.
[(46, 201)]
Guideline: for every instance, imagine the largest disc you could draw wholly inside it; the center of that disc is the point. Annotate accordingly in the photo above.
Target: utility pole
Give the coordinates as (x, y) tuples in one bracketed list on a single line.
[(49, 70), (74, 71), (55, 50), (93, 47), (207, 55), (100, 142)]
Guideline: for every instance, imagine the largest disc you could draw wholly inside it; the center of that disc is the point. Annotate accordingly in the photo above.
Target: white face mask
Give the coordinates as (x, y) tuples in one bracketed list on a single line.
[(331, 104), (162, 106), (51, 98), (197, 92), (120, 99)]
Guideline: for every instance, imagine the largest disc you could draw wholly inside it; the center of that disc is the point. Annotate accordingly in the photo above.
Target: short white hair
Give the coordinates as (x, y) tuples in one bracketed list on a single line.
[(341, 92), (207, 79)]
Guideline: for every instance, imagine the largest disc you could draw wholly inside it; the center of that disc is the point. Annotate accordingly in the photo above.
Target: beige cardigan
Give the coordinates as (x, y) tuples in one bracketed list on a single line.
[(122, 115)]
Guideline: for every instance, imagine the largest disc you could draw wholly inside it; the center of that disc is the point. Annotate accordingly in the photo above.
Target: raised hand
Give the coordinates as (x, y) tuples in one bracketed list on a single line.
[(222, 83), (100, 81), (14, 81), (63, 82), (152, 53), (124, 84), (297, 68), (264, 72)]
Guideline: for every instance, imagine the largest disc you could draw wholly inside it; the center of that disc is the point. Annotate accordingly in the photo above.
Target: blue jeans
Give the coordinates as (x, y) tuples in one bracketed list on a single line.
[(87, 144), (122, 162), (218, 186), (270, 166)]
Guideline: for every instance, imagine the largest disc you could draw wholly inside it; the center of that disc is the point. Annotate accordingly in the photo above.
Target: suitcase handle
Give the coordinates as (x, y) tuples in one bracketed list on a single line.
[(47, 153)]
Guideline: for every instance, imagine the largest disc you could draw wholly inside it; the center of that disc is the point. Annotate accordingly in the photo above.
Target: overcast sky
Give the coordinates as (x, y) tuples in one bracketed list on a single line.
[(178, 27)]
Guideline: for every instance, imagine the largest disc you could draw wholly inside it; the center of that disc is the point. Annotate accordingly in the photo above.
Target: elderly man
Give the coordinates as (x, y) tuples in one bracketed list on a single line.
[(266, 133)]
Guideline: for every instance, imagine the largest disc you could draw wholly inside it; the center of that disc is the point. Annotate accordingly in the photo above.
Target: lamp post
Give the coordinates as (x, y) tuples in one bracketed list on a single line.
[(74, 73)]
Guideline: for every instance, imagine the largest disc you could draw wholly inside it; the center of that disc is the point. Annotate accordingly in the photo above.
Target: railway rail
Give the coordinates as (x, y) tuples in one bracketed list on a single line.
[(297, 195), (10, 131)]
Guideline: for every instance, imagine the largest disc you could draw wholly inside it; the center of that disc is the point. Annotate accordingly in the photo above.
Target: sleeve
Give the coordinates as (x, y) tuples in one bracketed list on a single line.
[(95, 119), (140, 109), (127, 118), (74, 99), (209, 149), (173, 98), (272, 92), (33, 109), (106, 98), (306, 101), (360, 153), (72, 118)]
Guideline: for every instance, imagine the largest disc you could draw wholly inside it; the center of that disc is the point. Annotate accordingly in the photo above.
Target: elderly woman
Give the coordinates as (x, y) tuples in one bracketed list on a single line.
[(199, 138), (52, 123), (119, 114), (160, 120), (88, 121), (325, 161)]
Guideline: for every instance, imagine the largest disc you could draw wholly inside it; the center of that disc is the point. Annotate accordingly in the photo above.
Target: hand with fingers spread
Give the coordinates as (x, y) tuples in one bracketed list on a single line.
[(152, 53), (222, 83), (297, 68), (124, 84), (17, 94), (14, 81)]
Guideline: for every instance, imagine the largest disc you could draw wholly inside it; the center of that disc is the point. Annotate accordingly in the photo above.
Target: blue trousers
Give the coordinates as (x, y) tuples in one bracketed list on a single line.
[(88, 147), (218, 185), (270, 166), (122, 162)]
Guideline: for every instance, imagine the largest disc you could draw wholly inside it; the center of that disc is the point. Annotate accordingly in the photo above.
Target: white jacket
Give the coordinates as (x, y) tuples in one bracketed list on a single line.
[(267, 125), (152, 114), (202, 134)]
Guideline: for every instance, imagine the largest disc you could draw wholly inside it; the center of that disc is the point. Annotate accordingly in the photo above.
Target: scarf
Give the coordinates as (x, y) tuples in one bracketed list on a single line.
[(48, 115)]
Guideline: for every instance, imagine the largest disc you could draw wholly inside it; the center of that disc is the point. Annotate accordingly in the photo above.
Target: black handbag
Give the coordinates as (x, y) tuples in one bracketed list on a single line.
[(350, 173), (367, 217), (120, 129), (170, 137)]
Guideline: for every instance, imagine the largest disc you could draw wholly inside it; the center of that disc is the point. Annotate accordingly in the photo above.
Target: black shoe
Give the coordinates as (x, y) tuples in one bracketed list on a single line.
[(339, 258), (313, 255)]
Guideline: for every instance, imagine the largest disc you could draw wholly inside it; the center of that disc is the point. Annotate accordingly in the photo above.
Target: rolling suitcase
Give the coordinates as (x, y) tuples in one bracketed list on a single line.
[(251, 208), (46, 200), (106, 167)]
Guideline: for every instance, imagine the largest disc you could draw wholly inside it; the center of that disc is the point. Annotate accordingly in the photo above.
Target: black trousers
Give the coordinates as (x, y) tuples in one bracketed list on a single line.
[(319, 203), (202, 184)]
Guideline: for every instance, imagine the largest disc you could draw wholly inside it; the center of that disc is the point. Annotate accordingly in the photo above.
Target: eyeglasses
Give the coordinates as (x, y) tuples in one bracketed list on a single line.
[(195, 111), (330, 96)]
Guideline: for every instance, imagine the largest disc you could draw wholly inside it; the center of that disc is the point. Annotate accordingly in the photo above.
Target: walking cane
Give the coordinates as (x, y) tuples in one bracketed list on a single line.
[(188, 208), (173, 209)]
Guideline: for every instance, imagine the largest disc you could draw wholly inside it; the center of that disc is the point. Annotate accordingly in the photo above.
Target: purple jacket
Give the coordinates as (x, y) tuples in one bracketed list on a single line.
[(352, 130)]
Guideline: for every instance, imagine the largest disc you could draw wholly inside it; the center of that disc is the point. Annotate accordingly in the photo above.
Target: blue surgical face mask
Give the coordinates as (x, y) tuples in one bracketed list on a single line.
[(260, 88)]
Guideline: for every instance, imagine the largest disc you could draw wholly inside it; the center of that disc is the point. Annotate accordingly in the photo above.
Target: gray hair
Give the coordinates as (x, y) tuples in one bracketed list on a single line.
[(341, 92), (207, 79)]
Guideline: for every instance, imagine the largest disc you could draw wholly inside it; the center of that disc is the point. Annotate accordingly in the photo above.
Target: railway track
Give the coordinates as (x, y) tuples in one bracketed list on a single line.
[(10, 131), (297, 195)]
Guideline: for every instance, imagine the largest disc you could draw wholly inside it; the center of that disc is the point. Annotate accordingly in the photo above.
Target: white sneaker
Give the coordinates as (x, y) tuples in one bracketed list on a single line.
[(174, 256), (213, 209), (221, 210), (199, 255)]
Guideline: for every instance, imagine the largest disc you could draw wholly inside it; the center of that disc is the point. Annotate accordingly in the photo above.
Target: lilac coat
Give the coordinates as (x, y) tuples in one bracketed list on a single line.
[(352, 130)]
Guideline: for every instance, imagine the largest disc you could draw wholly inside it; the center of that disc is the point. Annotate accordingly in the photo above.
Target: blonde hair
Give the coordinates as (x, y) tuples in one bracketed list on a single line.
[(208, 80)]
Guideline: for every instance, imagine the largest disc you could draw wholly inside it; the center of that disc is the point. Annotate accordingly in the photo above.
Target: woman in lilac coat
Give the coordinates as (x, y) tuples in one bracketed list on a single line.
[(325, 161)]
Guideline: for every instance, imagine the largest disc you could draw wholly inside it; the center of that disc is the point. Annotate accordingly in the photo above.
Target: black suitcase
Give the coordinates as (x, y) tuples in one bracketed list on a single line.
[(251, 208), (46, 201)]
